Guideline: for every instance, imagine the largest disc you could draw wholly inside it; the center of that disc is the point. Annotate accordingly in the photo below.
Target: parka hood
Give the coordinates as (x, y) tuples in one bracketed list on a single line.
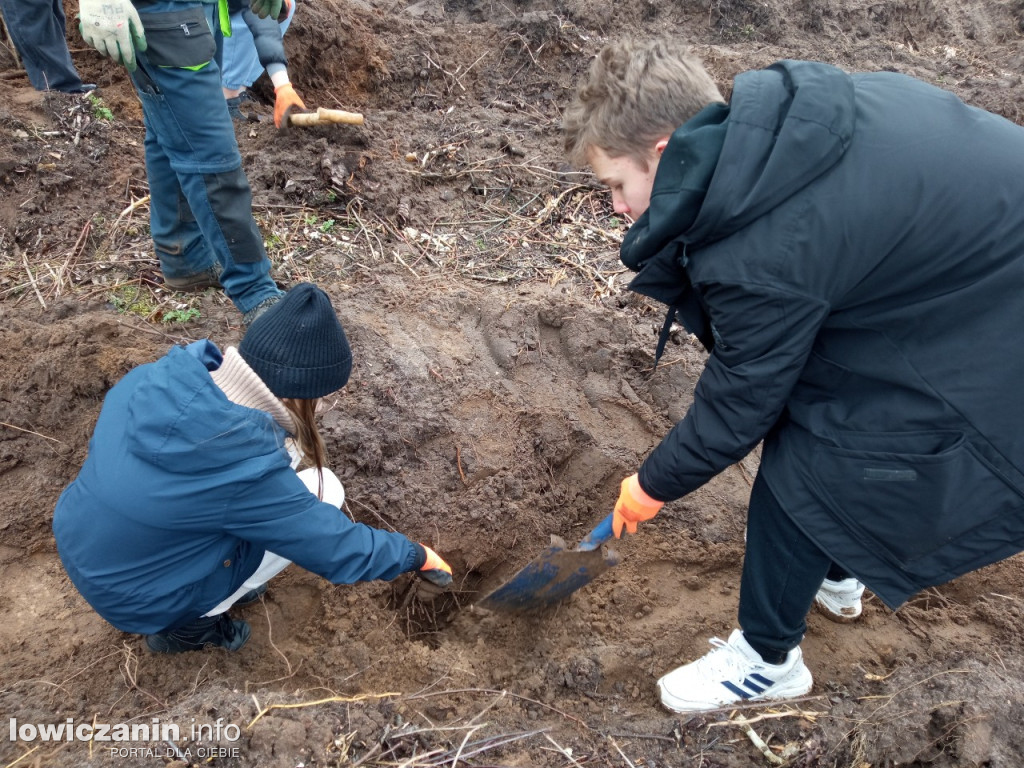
[(177, 417), (784, 126)]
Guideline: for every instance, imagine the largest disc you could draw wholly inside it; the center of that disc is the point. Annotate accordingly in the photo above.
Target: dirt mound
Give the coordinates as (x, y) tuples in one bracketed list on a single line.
[(502, 388)]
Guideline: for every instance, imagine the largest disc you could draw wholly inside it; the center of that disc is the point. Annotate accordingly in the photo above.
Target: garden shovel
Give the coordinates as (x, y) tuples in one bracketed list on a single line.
[(556, 573)]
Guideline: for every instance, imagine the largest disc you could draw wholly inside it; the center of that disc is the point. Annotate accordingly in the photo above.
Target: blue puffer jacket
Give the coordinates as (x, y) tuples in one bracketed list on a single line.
[(183, 491)]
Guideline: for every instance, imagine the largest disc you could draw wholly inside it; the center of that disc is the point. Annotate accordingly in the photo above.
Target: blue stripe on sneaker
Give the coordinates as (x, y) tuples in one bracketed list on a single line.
[(736, 690), (749, 683), (762, 679)]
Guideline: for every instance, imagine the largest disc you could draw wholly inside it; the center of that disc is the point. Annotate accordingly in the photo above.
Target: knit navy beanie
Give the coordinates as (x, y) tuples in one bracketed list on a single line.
[(298, 346)]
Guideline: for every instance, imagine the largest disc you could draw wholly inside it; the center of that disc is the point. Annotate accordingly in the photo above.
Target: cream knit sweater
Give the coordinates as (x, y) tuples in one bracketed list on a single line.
[(243, 386)]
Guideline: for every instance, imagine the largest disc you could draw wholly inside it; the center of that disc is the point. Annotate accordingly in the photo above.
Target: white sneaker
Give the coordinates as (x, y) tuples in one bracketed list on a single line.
[(733, 672), (840, 600)]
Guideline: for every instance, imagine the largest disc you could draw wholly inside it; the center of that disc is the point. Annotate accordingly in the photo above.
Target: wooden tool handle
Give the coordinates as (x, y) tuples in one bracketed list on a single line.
[(326, 116), (339, 116)]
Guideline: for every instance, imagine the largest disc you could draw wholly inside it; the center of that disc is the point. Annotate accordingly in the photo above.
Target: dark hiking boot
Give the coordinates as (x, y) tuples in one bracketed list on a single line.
[(252, 596), (200, 281), (235, 104), (217, 631), (259, 309), (235, 109)]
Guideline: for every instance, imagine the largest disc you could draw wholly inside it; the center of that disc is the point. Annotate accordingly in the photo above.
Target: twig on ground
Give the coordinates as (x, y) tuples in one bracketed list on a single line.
[(399, 259), (73, 254), (18, 760), (493, 691), (318, 702), (366, 232), (367, 756), (889, 697), (465, 739), (373, 511), (130, 671), (458, 463), (484, 745), (623, 754), (758, 742), (32, 279), (563, 751), (30, 432), (809, 715), (270, 639)]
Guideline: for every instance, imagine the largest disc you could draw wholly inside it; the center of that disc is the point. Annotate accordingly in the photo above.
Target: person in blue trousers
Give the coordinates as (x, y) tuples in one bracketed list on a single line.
[(201, 218), (37, 28)]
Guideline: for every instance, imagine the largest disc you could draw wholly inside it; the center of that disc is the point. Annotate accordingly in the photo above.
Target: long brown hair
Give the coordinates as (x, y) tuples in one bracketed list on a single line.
[(307, 435)]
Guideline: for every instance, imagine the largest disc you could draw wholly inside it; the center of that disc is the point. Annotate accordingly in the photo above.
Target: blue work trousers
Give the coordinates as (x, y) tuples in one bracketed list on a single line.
[(37, 28), (200, 200)]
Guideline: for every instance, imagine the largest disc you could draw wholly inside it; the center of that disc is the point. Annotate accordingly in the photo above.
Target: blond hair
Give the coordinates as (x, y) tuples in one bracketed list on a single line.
[(307, 435), (637, 91)]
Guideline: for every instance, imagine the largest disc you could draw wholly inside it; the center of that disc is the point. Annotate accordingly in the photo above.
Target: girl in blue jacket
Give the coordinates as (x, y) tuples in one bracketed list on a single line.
[(188, 500)]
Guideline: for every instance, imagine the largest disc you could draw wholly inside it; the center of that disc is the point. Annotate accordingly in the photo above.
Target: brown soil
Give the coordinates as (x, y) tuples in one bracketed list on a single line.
[(502, 388)]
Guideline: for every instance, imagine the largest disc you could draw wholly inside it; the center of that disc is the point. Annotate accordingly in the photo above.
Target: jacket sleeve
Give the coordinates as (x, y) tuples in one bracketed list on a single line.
[(266, 35), (763, 337), (279, 514)]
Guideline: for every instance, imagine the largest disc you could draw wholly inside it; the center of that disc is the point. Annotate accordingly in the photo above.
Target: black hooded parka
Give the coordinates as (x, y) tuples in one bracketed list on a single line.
[(851, 250)]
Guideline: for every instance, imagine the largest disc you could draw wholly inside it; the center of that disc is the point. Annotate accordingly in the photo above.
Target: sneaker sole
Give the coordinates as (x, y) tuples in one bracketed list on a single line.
[(831, 615)]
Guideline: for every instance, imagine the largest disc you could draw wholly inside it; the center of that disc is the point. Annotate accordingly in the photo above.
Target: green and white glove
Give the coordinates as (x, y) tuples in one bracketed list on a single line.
[(264, 8), (113, 28)]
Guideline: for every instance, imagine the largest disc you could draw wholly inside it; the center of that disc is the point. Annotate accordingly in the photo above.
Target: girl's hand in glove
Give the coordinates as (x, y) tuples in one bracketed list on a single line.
[(634, 506), (435, 570)]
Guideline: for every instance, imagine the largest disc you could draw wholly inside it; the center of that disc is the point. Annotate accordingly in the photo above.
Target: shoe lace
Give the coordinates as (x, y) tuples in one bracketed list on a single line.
[(725, 662)]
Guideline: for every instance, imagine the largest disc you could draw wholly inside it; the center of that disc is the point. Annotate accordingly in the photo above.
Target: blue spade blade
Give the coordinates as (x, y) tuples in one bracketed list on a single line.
[(556, 573)]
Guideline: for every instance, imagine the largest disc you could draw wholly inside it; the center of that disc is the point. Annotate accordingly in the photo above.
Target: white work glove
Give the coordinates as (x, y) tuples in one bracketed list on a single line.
[(113, 28)]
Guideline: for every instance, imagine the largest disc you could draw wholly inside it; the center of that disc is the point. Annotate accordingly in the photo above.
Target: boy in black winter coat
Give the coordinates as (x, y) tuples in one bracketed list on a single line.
[(850, 250)]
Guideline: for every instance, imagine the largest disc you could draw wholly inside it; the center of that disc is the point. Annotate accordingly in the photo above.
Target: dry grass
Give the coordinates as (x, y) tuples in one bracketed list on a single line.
[(569, 236)]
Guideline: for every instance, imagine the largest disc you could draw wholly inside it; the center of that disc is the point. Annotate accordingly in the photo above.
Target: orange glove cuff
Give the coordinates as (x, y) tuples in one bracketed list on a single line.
[(434, 561)]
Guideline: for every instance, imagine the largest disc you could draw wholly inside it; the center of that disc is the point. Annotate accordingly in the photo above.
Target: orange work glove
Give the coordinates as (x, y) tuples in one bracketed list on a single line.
[(634, 506), (435, 570), (285, 98)]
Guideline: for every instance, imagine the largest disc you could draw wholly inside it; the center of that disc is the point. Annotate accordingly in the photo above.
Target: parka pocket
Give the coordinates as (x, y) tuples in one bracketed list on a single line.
[(908, 495), (178, 39)]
